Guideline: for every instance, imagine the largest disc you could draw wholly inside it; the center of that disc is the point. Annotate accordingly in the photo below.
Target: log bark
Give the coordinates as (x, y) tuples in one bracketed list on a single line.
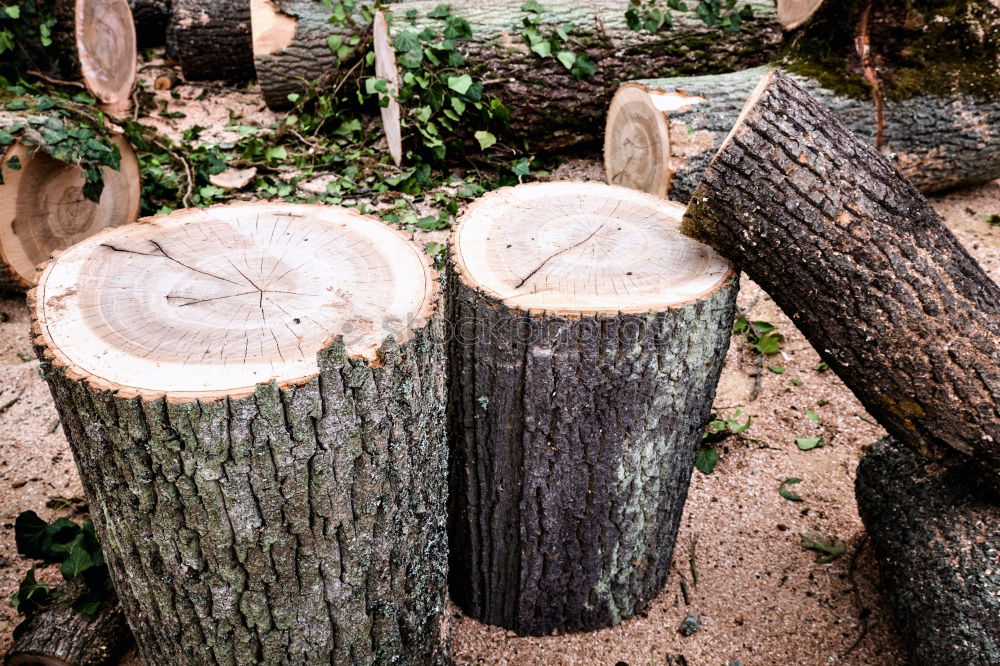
[(213, 39), (577, 403), (661, 134), (937, 543), (43, 210), (548, 106), (269, 488), (151, 20), (864, 267), (61, 636)]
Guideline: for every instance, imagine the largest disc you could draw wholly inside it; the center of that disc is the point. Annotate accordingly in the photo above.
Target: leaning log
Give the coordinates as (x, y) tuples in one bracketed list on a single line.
[(864, 267), (937, 542), (43, 209), (254, 396), (588, 339), (547, 104), (661, 134), (62, 636), (213, 40)]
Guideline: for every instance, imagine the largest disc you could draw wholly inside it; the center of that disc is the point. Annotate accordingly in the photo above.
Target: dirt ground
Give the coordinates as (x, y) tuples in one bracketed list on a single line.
[(760, 596)]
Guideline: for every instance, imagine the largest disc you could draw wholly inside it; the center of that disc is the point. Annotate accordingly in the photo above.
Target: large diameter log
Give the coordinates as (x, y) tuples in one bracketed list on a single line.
[(937, 543), (213, 39), (254, 396), (547, 104), (661, 134), (589, 336), (864, 267), (43, 209), (61, 636), (151, 20)]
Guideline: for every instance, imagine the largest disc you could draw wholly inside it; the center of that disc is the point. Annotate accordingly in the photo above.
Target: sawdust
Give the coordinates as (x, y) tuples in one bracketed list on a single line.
[(761, 597)]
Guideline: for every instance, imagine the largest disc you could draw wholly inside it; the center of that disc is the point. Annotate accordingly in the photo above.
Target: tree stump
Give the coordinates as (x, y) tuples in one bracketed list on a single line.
[(213, 39), (62, 636), (865, 268), (254, 396), (589, 337), (43, 209), (937, 542), (661, 134), (548, 105)]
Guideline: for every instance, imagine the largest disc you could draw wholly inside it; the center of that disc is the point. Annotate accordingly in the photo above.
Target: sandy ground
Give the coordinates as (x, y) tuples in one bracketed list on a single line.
[(760, 596)]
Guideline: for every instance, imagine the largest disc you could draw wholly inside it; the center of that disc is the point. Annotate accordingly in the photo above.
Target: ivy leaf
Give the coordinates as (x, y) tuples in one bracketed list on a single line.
[(29, 535), (440, 12), (777, 369), (88, 603), (823, 366), (812, 416), (542, 47), (485, 139), (460, 84), (532, 6), (706, 460), (567, 58), (828, 549), (32, 595), (77, 562), (13, 11), (789, 494), (808, 443), (769, 344)]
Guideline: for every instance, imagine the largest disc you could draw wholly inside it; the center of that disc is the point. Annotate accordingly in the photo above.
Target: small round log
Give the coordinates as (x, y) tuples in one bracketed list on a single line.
[(937, 542), (213, 39), (254, 396), (42, 208), (661, 134), (62, 636), (866, 269), (588, 339), (793, 13)]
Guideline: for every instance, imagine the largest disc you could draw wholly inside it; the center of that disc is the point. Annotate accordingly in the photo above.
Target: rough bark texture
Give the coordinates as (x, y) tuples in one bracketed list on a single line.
[(572, 445), (547, 105), (865, 268), (936, 539), (66, 636), (213, 39), (151, 20), (935, 142), (298, 525)]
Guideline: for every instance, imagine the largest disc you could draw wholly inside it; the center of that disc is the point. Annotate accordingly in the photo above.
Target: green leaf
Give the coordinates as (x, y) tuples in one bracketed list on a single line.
[(485, 139), (567, 58), (797, 382), (812, 416), (542, 48), (828, 548), (460, 84), (29, 535), (88, 603), (777, 369), (13, 11), (32, 595), (769, 344), (706, 460), (788, 494), (822, 367), (532, 6), (808, 443), (77, 562), (440, 12), (276, 153)]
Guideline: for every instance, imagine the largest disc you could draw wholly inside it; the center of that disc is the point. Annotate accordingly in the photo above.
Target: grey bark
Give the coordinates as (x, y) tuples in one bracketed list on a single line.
[(572, 444), (212, 39), (298, 525), (937, 543), (935, 142), (62, 635), (151, 20), (547, 105), (865, 268)]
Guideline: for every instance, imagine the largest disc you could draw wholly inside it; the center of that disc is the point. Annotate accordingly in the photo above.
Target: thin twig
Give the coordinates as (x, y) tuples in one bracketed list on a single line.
[(759, 364), (693, 560), (186, 199), (58, 82), (862, 616)]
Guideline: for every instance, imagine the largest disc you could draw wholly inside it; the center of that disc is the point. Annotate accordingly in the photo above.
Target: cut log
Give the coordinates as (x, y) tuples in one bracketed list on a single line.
[(937, 542), (793, 13), (588, 340), (547, 104), (213, 39), (151, 20), (42, 208), (864, 267), (93, 41), (254, 396), (62, 636), (662, 133)]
